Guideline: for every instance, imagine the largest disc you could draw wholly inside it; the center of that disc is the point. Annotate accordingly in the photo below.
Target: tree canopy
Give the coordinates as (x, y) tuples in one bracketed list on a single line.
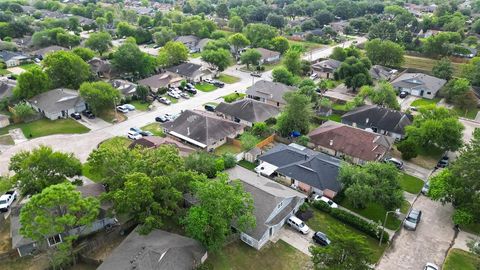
[(296, 115), (173, 53), (100, 42), (31, 83), (99, 95), (355, 72), (382, 94), (385, 52), (66, 69), (129, 58)]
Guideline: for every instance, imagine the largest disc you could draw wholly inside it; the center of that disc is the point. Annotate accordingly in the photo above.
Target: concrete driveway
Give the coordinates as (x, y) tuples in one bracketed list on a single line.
[(406, 102), (429, 243), (296, 239)]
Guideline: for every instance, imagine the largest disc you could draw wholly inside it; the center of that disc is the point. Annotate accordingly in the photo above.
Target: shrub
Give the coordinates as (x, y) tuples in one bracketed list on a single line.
[(322, 206), (229, 160), (408, 148), (271, 121), (219, 164)]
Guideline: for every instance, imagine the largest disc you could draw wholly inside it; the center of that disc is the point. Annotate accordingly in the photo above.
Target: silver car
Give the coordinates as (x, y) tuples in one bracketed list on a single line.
[(412, 219), (426, 188)]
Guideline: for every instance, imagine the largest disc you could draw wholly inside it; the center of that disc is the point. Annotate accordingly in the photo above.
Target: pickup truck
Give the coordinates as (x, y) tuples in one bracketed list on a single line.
[(7, 199)]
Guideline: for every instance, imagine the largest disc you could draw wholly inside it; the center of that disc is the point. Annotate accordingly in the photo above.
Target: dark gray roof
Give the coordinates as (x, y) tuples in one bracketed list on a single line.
[(381, 73), (126, 88), (159, 250), (56, 100), (310, 167), (8, 55), (329, 65), (187, 39), (186, 69), (379, 117), (161, 80), (6, 88), (419, 80), (249, 110), (44, 51), (269, 90), (267, 53)]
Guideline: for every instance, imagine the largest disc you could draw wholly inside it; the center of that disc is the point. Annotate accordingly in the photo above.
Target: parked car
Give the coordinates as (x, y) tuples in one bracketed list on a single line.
[(145, 133), (161, 119), (412, 219), (88, 114), (442, 163), (403, 94), (255, 74), (133, 135), (313, 76), (321, 239), (328, 201), (431, 266), (426, 188), (413, 108), (164, 100), (184, 95), (122, 109), (190, 86), (210, 107), (76, 116), (129, 107), (191, 90), (209, 81), (218, 84), (298, 225), (394, 161), (171, 117), (136, 129), (7, 199), (173, 94)]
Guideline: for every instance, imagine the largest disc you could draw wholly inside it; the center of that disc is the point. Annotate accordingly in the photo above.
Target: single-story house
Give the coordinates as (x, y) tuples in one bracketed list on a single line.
[(353, 144), (189, 41), (378, 119), (26, 246), (41, 53), (154, 251), (13, 59), (155, 142), (428, 33), (247, 111), (162, 80), (125, 88), (269, 92), (302, 168), (268, 56), (6, 87), (202, 43), (191, 72), (466, 52), (58, 103), (419, 84), (339, 26), (101, 68), (4, 121), (202, 129), (378, 73), (273, 205), (326, 68)]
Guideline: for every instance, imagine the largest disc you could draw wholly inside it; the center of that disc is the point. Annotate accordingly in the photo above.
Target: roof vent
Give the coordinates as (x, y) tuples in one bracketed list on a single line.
[(331, 142), (188, 131), (366, 120)]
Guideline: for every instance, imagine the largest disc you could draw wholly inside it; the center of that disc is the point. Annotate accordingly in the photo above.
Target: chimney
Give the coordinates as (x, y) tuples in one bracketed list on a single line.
[(331, 142), (188, 131)]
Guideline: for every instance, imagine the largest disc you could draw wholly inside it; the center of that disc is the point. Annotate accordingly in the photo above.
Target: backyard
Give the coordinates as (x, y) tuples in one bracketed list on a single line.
[(228, 148), (233, 97), (458, 259), (426, 64), (410, 184), (427, 158), (228, 78), (240, 256), (45, 127), (424, 102), (470, 114), (205, 87)]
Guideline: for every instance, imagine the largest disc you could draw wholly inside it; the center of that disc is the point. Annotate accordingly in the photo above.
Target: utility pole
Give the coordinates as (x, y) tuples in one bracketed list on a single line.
[(115, 109)]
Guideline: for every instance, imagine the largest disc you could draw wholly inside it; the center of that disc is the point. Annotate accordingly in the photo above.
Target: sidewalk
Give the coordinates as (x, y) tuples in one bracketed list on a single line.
[(463, 238)]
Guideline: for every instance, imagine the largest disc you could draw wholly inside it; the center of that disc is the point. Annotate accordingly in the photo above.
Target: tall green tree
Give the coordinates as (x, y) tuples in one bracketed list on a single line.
[(280, 44), (220, 59), (100, 42), (383, 30), (283, 75), (31, 83), (99, 95), (238, 41), (259, 34), (129, 58), (202, 162), (296, 115), (382, 94), (250, 57), (85, 53), (42, 167), (66, 69), (173, 53), (385, 52), (163, 36), (355, 72), (236, 23), (456, 89), (443, 69), (292, 61)]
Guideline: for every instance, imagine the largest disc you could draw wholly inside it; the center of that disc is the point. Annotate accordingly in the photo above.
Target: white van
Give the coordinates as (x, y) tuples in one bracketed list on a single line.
[(299, 225)]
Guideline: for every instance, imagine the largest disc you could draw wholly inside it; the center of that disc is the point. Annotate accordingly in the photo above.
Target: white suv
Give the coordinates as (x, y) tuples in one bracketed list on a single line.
[(133, 135), (298, 225), (326, 200)]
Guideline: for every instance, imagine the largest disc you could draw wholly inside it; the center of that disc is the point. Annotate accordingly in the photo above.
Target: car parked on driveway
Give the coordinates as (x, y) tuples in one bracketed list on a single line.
[(394, 161), (210, 107), (135, 129), (122, 109), (88, 114), (161, 119), (208, 81), (76, 116), (164, 100), (184, 95), (133, 135), (412, 219), (256, 74), (321, 239), (145, 133), (218, 84), (431, 266), (426, 188), (298, 224), (7, 199), (129, 107), (326, 200), (403, 94), (173, 94)]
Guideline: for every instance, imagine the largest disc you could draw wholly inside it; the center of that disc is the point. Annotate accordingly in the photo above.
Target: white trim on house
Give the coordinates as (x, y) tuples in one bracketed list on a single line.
[(192, 141)]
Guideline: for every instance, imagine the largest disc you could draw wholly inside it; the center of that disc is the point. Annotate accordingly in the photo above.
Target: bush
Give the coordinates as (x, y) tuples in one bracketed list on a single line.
[(219, 164), (408, 148), (322, 206), (271, 121), (229, 160)]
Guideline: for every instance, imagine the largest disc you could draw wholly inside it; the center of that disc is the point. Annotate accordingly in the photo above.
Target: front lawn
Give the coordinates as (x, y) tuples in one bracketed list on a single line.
[(228, 148), (205, 87), (427, 158), (424, 102), (339, 107), (233, 97), (470, 114), (111, 115), (247, 165), (275, 256), (45, 127), (155, 128), (91, 174), (410, 184), (139, 105), (322, 221), (115, 141), (195, 55), (333, 117), (458, 259), (228, 78)]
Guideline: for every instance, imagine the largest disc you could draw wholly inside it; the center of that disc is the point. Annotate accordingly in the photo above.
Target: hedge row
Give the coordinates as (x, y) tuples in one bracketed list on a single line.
[(370, 228)]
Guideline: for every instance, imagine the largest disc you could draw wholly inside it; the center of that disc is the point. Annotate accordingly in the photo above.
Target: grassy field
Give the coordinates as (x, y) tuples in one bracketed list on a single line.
[(45, 127), (30, 66), (228, 148), (426, 64), (307, 45), (4, 72), (195, 55), (109, 116), (233, 97), (470, 114), (321, 221), (6, 140), (228, 79), (423, 102), (124, 141), (410, 183), (458, 259), (205, 87), (155, 128), (247, 165), (333, 117), (141, 106), (240, 256)]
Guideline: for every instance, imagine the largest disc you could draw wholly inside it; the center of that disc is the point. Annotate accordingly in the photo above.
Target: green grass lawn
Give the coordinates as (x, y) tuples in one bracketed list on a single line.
[(333, 117), (275, 256), (30, 66), (4, 72), (139, 105), (228, 79), (470, 114), (6, 140), (322, 221), (205, 87), (115, 141), (426, 64), (91, 174), (228, 148), (111, 115), (195, 55), (339, 107), (247, 165), (458, 259), (45, 127), (233, 97), (173, 100), (423, 102), (410, 183), (472, 228), (155, 128)]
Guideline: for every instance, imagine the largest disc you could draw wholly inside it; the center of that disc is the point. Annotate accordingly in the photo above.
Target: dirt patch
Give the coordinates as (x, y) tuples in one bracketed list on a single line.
[(24, 263), (422, 161), (5, 240), (6, 140)]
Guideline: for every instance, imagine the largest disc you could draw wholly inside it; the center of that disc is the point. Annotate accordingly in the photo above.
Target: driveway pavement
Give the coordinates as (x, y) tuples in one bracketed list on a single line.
[(297, 240), (429, 243), (406, 102), (463, 238), (415, 170)]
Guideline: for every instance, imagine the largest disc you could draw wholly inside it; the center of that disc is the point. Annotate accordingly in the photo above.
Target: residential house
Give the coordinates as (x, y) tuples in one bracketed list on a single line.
[(302, 168), (154, 251), (269, 92), (155, 142), (428, 33), (42, 53), (26, 246), (349, 143), (268, 56), (247, 111), (13, 59), (189, 41), (326, 68), (202, 129), (58, 103), (125, 88), (201, 44), (162, 80), (273, 205), (466, 52), (101, 68), (192, 72), (380, 120), (339, 27), (6, 87), (419, 84), (4, 121), (378, 73)]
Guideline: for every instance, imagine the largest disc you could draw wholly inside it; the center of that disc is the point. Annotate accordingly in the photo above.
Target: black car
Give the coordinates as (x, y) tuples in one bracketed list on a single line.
[(76, 116), (218, 84), (442, 164), (190, 90), (210, 107), (321, 239), (403, 94), (88, 114), (161, 119)]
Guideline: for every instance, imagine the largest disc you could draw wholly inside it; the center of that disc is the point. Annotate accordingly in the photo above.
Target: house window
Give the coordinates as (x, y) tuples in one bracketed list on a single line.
[(429, 93), (54, 240), (280, 205)]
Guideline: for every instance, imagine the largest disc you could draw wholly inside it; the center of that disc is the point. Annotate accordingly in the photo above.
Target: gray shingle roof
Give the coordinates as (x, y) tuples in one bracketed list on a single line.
[(44, 51), (267, 53), (6, 88), (328, 65), (56, 100), (8, 55), (381, 73), (160, 80), (249, 110), (269, 90), (186, 69), (419, 80), (159, 250)]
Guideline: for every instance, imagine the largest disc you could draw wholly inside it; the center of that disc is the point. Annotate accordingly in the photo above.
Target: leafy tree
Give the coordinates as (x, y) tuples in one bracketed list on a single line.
[(260, 129), (129, 58), (355, 72), (66, 69), (220, 205), (220, 59), (280, 44), (455, 89), (173, 53), (222, 10), (42, 167), (101, 23), (236, 23), (23, 110), (339, 54), (360, 194), (443, 69), (85, 53), (100, 42), (347, 250), (441, 44), (383, 94), (275, 20), (283, 75), (250, 57), (292, 61), (323, 17), (308, 24), (387, 53), (202, 162), (408, 148), (383, 30), (142, 92), (163, 36), (248, 141), (99, 95), (259, 33), (238, 41), (296, 115), (471, 71), (221, 43), (124, 29), (31, 83), (58, 209)]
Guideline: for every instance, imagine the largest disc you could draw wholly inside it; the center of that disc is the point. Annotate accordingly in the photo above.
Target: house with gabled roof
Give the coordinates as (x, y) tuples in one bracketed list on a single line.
[(326, 68), (247, 111), (419, 84), (161, 80), (13, 59), (268, 56), (378, 73), (191, 72), (58, 103), (269, 92)]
